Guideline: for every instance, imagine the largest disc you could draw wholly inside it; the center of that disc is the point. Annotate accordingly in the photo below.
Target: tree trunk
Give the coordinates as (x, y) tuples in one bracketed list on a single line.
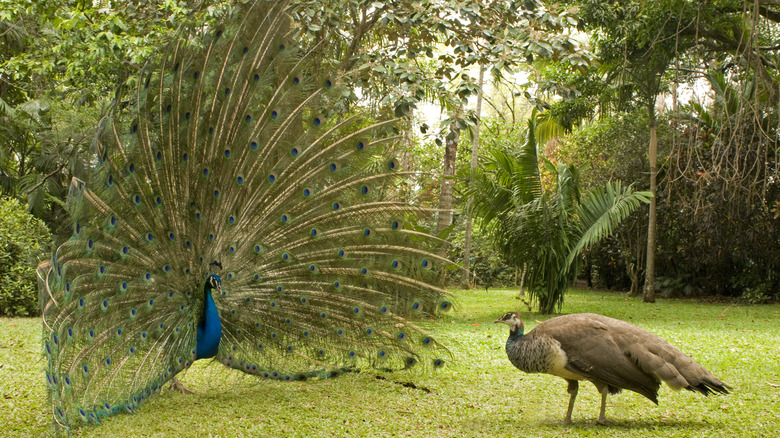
[(474, 159), (521, 292), (447, 185), (649, 290)]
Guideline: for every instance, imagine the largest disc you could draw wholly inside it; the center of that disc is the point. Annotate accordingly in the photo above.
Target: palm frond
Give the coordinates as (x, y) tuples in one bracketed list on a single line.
[(568, 185), (602, 211), (528, 183)]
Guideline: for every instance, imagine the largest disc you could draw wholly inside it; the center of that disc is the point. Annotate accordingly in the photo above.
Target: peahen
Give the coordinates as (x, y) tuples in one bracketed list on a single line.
[(612, 354), (239, 210)]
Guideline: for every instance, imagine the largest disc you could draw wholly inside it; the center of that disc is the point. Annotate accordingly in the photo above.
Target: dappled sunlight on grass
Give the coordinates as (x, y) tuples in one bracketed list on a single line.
[(478, 392)]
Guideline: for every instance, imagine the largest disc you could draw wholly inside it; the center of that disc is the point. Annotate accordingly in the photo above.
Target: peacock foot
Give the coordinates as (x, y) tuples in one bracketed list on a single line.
[(179, 387)]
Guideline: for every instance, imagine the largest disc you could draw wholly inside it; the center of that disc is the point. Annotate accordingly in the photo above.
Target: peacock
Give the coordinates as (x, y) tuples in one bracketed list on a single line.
[(612, 354), (239, 209)]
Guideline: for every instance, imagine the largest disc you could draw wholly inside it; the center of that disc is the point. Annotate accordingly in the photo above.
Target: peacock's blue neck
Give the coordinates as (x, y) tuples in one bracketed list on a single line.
[(209, 328)]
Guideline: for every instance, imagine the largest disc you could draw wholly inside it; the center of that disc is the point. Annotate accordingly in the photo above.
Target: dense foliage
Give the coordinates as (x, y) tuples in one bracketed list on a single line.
[(23, 240), (701, 77), (712, 66)]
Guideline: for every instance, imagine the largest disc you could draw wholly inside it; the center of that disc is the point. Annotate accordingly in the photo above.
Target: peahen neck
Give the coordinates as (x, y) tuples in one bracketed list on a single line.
[(515, 334), (516, 329), (209, 328)]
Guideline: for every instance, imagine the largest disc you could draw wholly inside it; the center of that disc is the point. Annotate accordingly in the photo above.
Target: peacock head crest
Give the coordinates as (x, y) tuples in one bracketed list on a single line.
[(512, 319)]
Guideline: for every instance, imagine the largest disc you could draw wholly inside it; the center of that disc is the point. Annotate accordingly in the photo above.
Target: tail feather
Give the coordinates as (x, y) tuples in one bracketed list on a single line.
[(659, 358), (656, 357), (234, 147)]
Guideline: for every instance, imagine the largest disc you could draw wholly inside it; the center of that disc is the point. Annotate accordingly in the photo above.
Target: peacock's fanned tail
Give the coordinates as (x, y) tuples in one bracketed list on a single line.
[(232, 149)]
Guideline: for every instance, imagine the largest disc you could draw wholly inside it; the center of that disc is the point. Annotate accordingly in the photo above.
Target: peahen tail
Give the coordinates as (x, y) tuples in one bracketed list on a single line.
[(237, 154)]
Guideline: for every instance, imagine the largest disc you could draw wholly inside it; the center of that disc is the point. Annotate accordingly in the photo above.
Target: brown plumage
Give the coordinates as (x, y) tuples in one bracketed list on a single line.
[(612, 354)]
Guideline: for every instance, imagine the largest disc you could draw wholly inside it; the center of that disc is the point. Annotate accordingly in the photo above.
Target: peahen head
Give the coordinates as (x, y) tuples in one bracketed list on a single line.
[(512, 319)]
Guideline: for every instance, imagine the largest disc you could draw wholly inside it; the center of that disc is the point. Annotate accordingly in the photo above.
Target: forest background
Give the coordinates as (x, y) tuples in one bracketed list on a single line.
[(539, 107)]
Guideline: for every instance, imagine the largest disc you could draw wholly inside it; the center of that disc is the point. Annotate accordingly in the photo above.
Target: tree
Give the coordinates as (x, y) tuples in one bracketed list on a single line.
[(60, 66), (546, 229), (474, 162), (639, 43), (79, 53), (614, 149)]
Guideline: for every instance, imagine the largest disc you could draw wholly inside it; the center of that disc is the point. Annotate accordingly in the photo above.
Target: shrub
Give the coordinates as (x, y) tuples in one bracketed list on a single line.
[(23, 240)]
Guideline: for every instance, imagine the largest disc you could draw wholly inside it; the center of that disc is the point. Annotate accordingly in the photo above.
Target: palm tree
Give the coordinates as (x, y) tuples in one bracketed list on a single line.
[(544, 229)]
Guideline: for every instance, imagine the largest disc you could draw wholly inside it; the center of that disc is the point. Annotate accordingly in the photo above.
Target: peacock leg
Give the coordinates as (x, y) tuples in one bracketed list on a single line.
[(179, 387), (572, 390)]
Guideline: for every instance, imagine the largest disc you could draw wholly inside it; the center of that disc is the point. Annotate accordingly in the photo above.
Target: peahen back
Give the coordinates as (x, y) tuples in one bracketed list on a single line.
[(235, 155)]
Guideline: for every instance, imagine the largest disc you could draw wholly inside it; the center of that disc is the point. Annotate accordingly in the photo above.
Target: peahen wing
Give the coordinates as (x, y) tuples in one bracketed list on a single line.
[(236, 147)]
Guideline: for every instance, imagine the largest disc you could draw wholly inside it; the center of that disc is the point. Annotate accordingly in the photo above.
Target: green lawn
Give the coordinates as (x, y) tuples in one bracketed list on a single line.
[(479, 393)]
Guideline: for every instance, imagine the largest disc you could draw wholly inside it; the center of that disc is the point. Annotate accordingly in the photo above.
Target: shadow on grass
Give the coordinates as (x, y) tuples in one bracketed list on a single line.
[(627, 424)]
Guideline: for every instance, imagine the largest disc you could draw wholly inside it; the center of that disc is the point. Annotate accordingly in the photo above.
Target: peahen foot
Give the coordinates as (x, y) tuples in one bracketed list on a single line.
[(179, 387)]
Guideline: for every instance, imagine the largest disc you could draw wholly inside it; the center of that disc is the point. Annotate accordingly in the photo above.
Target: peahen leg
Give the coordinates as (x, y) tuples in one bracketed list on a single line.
[(602, 417), (179, 387), (572, 390)]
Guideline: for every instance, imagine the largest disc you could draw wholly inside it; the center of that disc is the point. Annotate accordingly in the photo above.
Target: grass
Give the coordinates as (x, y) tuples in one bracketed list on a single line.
[(478, 393)]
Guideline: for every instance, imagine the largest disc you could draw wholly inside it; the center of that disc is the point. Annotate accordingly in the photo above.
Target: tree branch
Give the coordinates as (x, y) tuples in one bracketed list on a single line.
[(48, 175)]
